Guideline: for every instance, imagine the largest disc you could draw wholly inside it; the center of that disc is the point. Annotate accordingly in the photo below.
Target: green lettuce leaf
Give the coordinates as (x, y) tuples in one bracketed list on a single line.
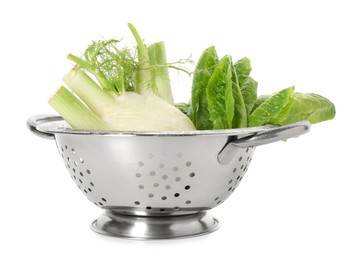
[(220, 95), (247, 84), (312, 107), (249, 93), (259, 101), (240, 113), (199, 101), (274, 109), (243, 69)]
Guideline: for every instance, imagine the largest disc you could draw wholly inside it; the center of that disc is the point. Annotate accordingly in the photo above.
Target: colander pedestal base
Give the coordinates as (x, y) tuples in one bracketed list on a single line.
[(154, 227)]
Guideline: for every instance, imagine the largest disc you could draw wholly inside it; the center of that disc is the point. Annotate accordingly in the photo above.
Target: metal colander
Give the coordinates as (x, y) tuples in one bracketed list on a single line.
[(158, 185)]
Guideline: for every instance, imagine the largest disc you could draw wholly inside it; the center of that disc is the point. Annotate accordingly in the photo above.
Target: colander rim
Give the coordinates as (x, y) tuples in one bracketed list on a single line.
[(60, 126)]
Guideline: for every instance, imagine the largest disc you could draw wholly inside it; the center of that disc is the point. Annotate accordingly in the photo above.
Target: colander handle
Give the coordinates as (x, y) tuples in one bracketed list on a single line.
[(37, 120), (264, 136)]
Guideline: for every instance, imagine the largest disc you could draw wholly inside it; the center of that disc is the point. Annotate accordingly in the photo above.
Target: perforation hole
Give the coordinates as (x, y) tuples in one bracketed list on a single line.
[(168, 179)]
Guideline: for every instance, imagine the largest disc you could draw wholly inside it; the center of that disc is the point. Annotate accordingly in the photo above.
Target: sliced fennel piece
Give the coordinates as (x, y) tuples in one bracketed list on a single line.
[(147, 112), (142, 74), (74, 112), (88, 90), (106, 101), (160, 81), (127, 112)]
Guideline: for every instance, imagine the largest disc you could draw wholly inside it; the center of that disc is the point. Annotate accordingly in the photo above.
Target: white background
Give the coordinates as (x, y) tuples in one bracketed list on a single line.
[(300, 199)]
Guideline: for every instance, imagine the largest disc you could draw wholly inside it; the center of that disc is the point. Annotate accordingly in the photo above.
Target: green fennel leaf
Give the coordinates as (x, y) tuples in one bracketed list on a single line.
[(113, 66)]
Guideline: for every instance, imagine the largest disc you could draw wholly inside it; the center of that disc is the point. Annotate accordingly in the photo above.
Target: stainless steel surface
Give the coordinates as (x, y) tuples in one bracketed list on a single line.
[(156, 227), (37, 120), (152, 175), (265, 136), (141, 176)]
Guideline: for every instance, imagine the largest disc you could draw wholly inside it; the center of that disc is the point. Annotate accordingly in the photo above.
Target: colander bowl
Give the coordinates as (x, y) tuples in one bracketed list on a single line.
[(156, 185)]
